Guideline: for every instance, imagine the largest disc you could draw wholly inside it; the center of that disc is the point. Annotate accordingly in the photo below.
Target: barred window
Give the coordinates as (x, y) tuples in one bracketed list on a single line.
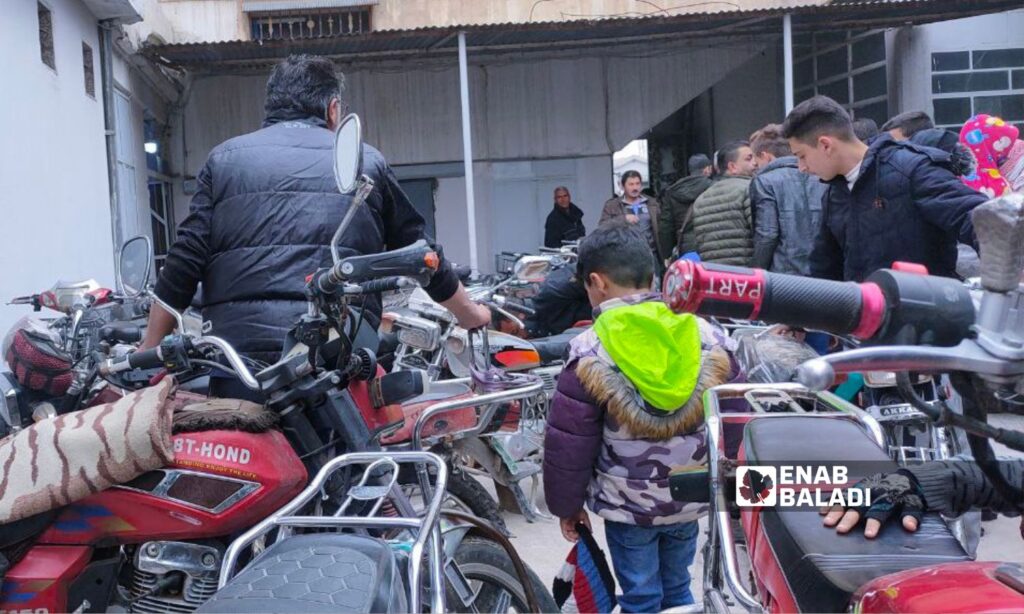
[(87, 67), (969, 82), (295, 25), (46, 36), (847, 66)]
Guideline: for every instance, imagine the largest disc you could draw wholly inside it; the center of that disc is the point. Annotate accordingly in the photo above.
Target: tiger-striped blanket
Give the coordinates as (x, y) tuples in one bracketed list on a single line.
[(55, 462)]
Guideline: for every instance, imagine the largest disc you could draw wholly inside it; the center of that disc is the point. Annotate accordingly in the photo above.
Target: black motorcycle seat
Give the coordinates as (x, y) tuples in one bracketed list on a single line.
[(556, 347), (822, 568), (12, 533), (782, 439), (317, 573)]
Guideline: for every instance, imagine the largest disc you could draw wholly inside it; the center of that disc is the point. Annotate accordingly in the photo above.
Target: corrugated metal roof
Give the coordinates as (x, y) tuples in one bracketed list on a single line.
[(813, 15), (256, 6)]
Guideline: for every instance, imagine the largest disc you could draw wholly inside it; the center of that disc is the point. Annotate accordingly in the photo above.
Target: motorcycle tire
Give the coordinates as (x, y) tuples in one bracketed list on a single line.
[(490, 571), (468, 494)]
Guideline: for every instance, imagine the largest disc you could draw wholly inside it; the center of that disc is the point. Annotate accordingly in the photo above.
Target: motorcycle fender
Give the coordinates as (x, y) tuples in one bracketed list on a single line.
[(452, 534), (489, 455)]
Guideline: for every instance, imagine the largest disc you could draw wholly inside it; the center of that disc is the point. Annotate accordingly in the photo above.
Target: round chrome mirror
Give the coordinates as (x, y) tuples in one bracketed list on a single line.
[(348, 153), (133, 266)]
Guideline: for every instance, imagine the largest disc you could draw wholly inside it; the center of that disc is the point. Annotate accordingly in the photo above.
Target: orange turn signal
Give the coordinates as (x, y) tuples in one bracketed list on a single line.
[(432, 261)]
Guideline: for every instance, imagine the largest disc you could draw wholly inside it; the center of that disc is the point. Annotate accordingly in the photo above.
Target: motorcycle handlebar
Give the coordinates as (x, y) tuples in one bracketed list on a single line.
[(139, 359), (417, 261), (515, 306), (755, 294), (171, 348), (890, 307), (146, 359), (385, 285)]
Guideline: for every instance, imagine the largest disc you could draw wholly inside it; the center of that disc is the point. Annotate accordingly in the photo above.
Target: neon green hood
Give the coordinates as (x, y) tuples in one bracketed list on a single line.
[(657, 350)]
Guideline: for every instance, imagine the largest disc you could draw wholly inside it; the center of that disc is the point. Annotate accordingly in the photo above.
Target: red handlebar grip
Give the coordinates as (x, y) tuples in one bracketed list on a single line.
[(714, 290)]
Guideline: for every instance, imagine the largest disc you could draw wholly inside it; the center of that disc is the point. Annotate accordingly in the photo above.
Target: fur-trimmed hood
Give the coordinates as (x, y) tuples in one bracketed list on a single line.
[(609, 387)]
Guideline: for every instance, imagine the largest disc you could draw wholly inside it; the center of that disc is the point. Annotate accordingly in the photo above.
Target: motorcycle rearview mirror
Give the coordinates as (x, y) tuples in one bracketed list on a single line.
[(133, 266), (348, 163), (348, 153), (532, 268)]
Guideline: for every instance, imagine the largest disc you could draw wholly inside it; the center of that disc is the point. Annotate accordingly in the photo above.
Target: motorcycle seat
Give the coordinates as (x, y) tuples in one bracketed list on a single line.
[(822, 569), (320, 572), (556, 347), (12, 533)]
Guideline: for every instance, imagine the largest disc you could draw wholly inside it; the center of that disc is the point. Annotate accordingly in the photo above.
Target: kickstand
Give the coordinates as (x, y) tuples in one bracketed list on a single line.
[(534, 488)]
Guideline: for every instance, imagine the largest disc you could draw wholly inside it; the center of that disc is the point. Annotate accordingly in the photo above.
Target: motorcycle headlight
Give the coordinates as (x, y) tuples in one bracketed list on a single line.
[(887, 379)]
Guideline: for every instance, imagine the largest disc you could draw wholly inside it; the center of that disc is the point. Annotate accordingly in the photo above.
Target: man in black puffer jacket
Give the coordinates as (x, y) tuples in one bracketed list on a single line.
[(265, 213), (887, 202)]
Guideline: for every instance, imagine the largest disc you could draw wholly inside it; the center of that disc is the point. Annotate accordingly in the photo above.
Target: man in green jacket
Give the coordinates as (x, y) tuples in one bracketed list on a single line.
[(677, 201), (722, 221)]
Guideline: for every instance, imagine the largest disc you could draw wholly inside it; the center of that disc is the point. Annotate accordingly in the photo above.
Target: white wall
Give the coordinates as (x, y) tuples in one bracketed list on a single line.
[(513, 200), (913, 48), (54, 199)]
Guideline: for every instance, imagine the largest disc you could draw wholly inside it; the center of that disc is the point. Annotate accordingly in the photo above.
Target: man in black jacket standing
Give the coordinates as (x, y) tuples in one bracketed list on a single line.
[(887, 202), (265, 213), (565, 222)]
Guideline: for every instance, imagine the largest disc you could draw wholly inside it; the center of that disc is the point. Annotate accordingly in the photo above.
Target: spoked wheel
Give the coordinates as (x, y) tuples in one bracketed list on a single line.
[(492, 581)]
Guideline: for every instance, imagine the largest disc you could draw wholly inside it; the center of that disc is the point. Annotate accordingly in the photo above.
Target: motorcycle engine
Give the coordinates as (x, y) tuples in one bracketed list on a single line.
[(173, 577)]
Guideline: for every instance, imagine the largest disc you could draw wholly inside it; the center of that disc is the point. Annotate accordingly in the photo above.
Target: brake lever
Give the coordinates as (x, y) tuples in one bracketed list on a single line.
[(819, 374)]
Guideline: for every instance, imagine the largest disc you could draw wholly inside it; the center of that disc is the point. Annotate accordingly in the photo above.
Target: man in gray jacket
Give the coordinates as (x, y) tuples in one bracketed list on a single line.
[(786, 205), (722, 221)]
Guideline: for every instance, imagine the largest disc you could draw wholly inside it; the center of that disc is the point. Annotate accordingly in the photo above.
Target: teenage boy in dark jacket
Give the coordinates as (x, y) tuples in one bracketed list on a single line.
[(887, 202)]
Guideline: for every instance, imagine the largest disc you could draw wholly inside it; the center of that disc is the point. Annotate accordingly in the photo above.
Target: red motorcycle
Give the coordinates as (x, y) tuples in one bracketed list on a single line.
[(156, 544), (920, 324)]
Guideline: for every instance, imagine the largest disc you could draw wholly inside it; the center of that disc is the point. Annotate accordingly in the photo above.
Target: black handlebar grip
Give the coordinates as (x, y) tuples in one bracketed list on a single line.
[(418, 261), (121, 332), (807, 302), (383, 285), (521, 308), (328, 280), (146, 359)]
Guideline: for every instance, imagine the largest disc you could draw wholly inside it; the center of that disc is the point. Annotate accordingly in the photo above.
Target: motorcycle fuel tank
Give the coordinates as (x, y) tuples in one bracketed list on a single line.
[(220, 482)]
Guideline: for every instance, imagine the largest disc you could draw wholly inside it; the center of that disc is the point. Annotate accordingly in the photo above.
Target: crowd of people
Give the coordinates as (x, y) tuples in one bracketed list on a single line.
[(817, 195), (821, 195)]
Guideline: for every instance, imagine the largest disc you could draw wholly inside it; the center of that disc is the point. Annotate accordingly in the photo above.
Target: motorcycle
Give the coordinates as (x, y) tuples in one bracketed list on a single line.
[(766, 356), (428, 338), (94, 323), (156, 544), (920, 324)]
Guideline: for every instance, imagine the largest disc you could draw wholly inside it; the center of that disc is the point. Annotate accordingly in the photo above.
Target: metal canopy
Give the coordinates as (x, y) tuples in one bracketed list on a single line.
[(122, 11), (518, 37)]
